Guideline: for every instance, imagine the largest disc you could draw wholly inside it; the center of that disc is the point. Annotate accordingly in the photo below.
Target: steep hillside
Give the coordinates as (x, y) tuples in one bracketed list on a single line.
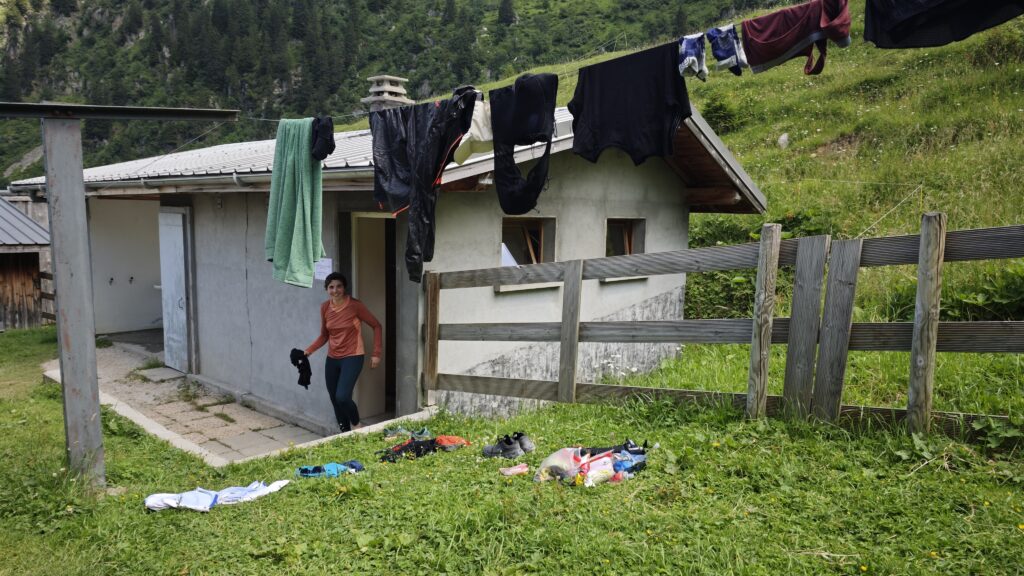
[(274, 58)]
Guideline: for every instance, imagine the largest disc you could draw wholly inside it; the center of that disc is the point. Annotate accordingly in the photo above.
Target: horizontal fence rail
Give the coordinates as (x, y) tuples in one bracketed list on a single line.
[(818, 338)]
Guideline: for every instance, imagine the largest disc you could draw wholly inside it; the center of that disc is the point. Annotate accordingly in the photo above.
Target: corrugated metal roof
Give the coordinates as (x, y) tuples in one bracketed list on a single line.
[(353, 150), (17, 229)]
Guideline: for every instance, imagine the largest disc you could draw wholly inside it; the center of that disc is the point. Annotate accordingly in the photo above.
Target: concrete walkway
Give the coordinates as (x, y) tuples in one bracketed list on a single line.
[(158, 399)]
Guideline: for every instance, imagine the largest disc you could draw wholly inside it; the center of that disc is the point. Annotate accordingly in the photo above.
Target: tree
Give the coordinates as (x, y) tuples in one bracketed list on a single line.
[(132, 22), (63, 7), (506, 13), (680, 21)]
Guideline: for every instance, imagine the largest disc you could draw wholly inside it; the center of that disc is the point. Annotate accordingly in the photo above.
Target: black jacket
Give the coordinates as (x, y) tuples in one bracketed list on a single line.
[(923, 23), (411, 147)]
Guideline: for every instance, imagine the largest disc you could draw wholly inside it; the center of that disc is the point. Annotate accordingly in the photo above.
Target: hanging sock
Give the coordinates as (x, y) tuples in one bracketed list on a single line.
[(323, 137), (926, 23), (522, 114), (691, 56), (792, 32), (294, 218), (727, 48)]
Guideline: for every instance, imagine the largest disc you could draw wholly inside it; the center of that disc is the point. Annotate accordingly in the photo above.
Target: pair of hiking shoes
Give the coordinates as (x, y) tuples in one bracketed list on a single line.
[(510, 446)]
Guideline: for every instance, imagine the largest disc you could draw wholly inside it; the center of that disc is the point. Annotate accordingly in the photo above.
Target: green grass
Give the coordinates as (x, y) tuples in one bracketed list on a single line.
[(721, 495)]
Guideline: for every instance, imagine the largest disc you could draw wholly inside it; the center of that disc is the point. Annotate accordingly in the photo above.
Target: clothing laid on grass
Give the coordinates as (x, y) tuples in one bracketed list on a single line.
[(522, 114), (202, 500), (413, 448), (727, 48), (634, 103), (411, 147), (292, 239), (924, 23), (329, 470), (691, 56), (479, 139), (792, 32)]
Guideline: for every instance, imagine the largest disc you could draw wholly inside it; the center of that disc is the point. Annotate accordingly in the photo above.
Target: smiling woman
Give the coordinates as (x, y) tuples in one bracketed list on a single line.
[(341, 320)]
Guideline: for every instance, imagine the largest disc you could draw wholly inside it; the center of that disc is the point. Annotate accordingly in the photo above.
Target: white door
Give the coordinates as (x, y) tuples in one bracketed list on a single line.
[(173, 290)]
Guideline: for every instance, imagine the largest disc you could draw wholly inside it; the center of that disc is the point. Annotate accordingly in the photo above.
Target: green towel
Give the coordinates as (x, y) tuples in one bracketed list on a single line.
[(294, 218)]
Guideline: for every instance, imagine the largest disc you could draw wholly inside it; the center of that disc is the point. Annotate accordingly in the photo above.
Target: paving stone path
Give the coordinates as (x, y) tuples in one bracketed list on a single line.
[(215, 424)]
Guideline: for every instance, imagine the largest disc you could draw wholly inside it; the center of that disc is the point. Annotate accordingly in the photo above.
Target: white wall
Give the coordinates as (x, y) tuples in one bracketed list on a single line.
[(124, 241), (581, 196)]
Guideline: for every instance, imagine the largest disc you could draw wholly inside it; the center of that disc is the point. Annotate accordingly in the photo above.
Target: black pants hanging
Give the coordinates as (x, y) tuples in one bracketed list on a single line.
[(341, 375)]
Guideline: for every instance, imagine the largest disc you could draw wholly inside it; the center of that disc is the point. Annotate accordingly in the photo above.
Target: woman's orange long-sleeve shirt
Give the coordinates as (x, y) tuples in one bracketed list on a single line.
[(342, 330)]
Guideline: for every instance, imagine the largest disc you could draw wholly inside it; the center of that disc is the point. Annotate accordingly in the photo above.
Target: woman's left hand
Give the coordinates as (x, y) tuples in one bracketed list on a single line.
[(374, 362)]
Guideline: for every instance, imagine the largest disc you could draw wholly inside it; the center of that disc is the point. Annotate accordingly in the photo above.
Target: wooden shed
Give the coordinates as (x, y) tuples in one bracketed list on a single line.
[(21, 242)]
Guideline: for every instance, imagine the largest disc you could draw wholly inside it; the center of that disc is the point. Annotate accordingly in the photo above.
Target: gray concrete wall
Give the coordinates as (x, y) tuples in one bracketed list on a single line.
[(247, 321), (581, 196), (124, 240)]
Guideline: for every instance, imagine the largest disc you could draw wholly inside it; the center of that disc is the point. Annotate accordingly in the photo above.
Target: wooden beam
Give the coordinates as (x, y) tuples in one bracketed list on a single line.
[(505, 276), (835, 329), (716, 196), (572, 293), (961, 245), (515, 387), (805, 321), (76, 328), (675, 262), (953, 336), (512, 332), (432, 287), (926, 322), (764, 309)]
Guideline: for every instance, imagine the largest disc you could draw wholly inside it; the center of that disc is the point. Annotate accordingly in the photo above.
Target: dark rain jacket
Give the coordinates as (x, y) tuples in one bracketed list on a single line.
[(411, 147)]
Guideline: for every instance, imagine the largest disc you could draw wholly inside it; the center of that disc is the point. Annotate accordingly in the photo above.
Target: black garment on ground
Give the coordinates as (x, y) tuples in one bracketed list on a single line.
[(411, 147), (409, 449), (627, 446), (522, 114), (924, 23), (323, 137), (301, 361), (635, 103)]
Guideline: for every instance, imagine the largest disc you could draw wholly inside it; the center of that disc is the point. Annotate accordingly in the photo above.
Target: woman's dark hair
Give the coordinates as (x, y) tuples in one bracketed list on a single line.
[(336, 276)]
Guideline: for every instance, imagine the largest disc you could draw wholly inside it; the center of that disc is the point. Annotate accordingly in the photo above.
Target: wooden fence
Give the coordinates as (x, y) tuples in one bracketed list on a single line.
[(817, 343)]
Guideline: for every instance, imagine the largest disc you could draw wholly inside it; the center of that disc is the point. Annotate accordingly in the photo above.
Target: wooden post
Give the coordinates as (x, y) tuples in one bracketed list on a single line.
[(804, 323), (764, 309), (572, 288), (72, 279), (926, 321), (432, 286), (835, 328)]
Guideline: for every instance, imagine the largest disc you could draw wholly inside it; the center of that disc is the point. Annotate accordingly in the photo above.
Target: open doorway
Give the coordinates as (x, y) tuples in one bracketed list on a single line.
[(373, 282)]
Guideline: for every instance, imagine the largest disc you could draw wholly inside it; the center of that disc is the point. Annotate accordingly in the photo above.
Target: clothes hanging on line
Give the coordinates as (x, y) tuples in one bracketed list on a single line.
[(727, 48), (411, 147), (522, 114), (691, 56), (792, 32), (202, 500), (323, 137), (926, 23), (479, 139), (634, 103), (292, 240)]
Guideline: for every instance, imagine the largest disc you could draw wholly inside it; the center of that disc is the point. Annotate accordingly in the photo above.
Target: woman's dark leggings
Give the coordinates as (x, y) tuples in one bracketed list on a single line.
[(341, 375)]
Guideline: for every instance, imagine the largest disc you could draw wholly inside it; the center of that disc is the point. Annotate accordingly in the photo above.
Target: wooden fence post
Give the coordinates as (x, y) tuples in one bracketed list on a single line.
[(926, 321), (764, 309), (572, 288), (835, 328), (76, 324), (432, 287), (804, 324)]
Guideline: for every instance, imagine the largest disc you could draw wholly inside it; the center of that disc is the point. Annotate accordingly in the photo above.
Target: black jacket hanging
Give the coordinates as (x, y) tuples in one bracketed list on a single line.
[(411, 147), (522, 114), (634, 103), (924, 23), (323, 137)]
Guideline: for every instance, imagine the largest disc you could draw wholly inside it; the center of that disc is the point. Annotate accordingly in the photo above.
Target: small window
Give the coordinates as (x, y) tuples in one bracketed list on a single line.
[(527, 241), (625, 236)]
